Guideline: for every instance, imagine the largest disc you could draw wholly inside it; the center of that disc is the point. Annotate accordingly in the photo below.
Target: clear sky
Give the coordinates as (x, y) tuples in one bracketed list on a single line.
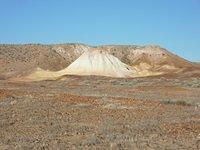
[(173, 24)]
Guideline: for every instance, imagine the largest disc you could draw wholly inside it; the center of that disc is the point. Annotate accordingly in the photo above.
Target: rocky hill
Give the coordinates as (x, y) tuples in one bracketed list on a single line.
[(22, 59)]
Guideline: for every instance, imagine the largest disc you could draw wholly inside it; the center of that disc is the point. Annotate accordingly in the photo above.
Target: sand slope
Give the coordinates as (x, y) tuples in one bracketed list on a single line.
[(99, 63), (94, 62), (39, 74)]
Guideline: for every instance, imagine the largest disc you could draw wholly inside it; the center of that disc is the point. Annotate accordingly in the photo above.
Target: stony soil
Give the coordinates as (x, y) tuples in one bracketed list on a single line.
[(101, 113)]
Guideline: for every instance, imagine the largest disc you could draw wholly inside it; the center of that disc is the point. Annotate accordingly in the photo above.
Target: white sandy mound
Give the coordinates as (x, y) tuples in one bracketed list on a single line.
[(95, 62), (99, 63), (89, 63)]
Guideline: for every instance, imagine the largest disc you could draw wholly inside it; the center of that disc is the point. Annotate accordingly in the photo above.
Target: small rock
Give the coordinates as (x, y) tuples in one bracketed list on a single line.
[(13, 102)]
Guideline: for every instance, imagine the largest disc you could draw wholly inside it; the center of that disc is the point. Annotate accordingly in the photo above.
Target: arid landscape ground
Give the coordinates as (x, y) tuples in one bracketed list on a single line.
[(95, 112)]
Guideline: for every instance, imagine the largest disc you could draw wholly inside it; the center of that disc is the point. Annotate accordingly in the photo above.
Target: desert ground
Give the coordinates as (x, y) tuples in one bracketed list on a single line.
[(90, 112), (160, 111)]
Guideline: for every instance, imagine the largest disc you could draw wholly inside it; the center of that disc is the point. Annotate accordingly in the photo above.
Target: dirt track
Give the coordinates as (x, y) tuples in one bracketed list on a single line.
[(98, 112)]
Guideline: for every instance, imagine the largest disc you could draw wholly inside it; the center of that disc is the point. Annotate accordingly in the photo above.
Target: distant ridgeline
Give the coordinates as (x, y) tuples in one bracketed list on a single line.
[(79, 59)]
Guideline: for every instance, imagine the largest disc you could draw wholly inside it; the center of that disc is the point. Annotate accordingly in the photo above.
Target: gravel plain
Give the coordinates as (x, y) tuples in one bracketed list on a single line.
[(101, 113)]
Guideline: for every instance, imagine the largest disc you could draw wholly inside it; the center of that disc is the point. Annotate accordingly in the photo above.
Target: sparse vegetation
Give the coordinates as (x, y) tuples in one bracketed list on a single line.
[(77, 112), (179, 102)]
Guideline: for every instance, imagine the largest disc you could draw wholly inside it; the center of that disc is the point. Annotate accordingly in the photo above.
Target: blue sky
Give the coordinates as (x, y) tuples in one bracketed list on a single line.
[(173, 24)]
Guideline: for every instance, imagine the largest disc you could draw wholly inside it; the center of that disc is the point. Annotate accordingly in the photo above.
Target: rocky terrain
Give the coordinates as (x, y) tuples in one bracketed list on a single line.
[(23, 59), (99, 112), (93, 112)]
